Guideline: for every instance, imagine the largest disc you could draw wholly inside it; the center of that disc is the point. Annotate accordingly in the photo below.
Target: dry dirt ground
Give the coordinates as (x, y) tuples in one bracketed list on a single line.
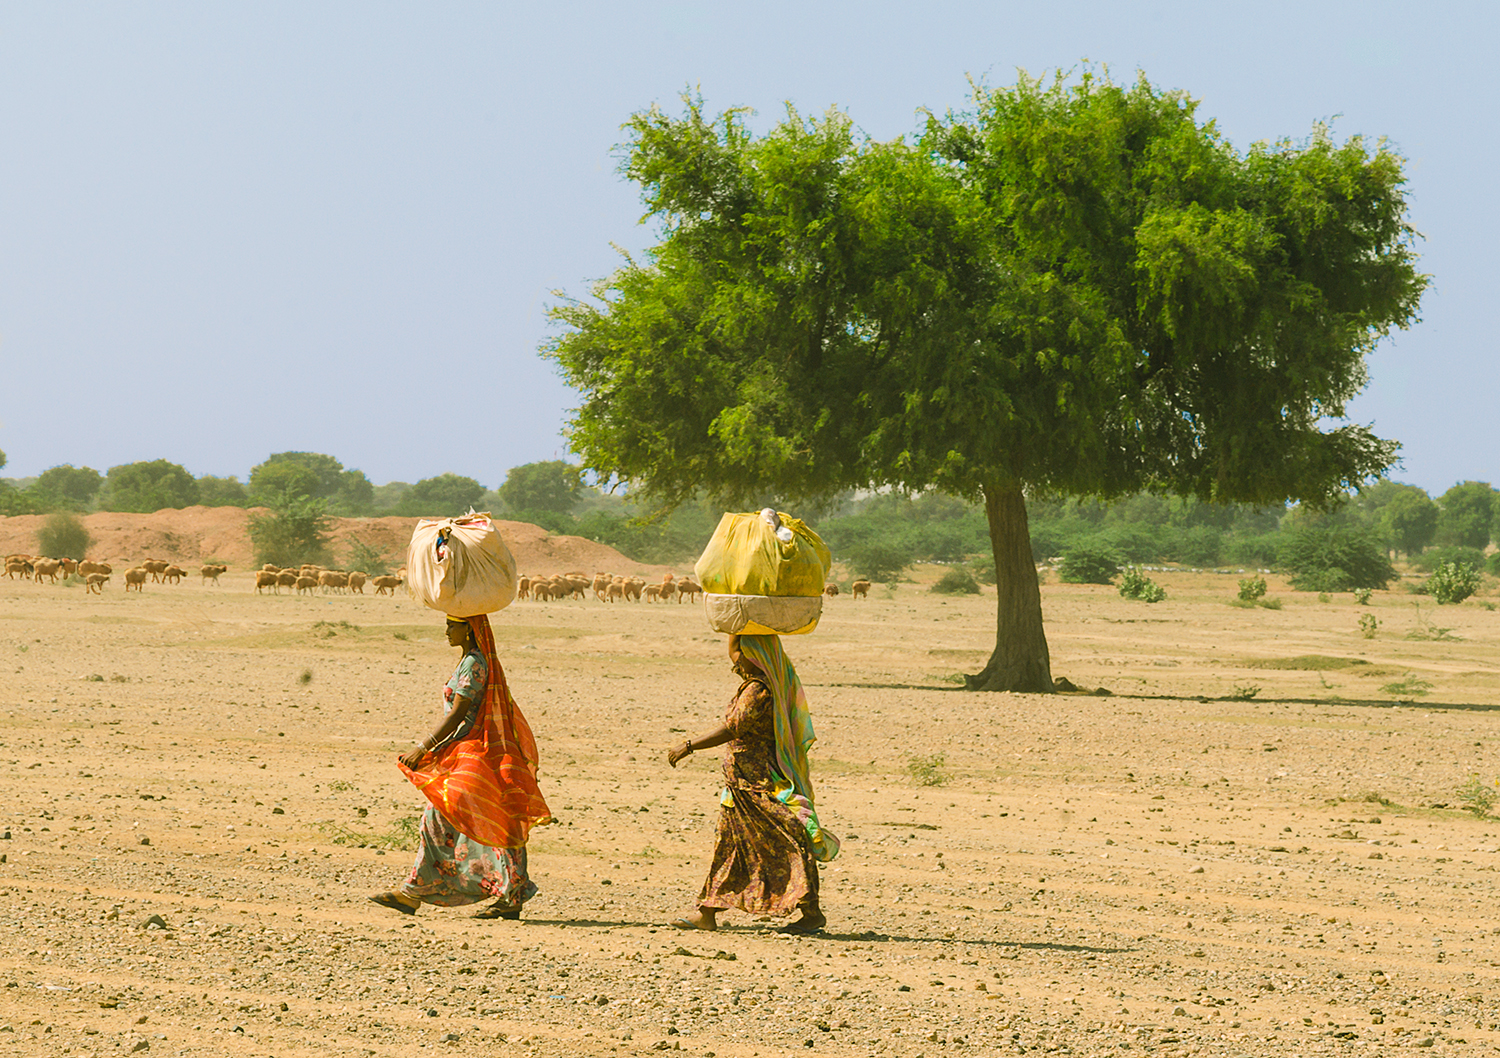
[(1254, 847)]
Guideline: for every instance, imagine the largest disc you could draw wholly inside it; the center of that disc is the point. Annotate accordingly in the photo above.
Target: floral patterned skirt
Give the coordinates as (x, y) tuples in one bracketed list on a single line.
[(452, 870), (763, 861)]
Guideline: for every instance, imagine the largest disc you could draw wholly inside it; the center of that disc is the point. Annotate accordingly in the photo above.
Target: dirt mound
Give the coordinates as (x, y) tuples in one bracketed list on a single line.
[(195, 535)]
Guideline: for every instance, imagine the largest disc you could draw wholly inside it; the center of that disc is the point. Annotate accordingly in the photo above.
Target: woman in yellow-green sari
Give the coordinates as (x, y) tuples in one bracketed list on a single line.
[(769, 841)]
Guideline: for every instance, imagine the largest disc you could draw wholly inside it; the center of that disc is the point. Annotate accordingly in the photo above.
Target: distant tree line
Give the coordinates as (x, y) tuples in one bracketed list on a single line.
[(875, 536)]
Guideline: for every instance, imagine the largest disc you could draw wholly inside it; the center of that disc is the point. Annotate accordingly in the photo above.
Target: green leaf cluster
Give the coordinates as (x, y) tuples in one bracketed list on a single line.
[(294, 532), (1453, 582)]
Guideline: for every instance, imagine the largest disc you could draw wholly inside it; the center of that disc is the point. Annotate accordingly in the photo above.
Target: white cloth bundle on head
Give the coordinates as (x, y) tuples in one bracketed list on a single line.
[(460, 566)]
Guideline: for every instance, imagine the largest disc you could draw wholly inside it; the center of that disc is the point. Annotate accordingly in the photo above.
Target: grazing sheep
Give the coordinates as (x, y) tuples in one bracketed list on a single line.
[(523, 588), (94, 582), (331, 581), (211, 572), (173, 574), (633, 586), (861, 589), (270, 568), (653, 592), (18, 565), (307, 584), (287, 578), (137, 577), (386, 585), (830, 590), (668, 589), (578, 586), (264, 578), (86, 567), (46, 567), (154, 566), (615, 591), (601, 586), (687, 588), (357, 581), (70, 567)]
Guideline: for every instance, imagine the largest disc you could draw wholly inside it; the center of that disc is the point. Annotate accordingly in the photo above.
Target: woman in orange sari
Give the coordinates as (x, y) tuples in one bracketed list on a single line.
[(478, 769)]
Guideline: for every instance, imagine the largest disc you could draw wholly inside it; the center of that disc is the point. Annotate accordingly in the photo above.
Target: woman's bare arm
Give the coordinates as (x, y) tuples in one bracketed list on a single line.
[(456, 716), (717, 737)]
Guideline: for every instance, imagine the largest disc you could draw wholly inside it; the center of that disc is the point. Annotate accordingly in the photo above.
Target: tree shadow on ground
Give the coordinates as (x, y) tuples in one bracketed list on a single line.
[(1358, 703)]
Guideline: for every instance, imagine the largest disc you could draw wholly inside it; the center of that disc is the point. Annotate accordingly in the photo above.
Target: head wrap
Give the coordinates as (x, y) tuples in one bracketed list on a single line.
[(794, 735), (485, 784)]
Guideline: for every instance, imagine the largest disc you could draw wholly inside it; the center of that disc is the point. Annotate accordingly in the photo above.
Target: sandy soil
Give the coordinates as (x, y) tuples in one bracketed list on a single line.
[(195, 535), (1249, 849)]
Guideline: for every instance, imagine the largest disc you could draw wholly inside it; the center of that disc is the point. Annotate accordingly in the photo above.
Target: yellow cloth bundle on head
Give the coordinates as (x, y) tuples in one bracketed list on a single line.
[(763, 574)]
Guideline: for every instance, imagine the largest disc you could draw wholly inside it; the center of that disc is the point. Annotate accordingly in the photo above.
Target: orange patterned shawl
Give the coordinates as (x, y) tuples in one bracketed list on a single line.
[(485, 784)]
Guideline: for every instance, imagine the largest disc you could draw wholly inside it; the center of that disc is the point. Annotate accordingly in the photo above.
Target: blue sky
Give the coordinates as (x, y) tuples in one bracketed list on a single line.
[(228, 230)]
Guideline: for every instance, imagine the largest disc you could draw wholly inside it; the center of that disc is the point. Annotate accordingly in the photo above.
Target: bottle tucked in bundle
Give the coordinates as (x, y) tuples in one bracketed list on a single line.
[(763, 574)]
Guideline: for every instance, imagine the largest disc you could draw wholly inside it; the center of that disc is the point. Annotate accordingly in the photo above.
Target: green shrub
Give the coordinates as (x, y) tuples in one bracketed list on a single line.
[(1369, 624), (363, 557), (1362, 596), (1453, 582), (1335, 559), (1089, 565), (1434, 557), (876, 561), (1136, 585), (984, 569), (296, 531), (1477, 796), (957, 582), (1202, 545), (1252, 588), (1257, 551), (1493, 564), (63, 536), (927, 771)]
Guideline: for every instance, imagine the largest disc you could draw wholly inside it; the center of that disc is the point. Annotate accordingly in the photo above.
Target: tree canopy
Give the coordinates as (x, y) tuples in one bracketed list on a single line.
[(74, 486), (149, 486), (551, 486), (445, 496), (1076, 288), (1467, 510), (315, 475)]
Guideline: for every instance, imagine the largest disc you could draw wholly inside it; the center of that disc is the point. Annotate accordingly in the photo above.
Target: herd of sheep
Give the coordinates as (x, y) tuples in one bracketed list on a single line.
[(307, 578), (97, 574), (614, 588), (304, 579)]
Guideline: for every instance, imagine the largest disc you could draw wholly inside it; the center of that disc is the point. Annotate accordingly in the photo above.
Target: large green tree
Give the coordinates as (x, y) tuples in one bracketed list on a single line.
[(1075, 289)]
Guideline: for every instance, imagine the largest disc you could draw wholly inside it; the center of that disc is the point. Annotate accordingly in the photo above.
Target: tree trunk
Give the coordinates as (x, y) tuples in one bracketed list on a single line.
[(1020, 661)]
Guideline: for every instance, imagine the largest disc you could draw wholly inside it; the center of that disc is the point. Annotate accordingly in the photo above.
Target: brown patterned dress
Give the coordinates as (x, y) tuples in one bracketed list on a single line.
[(763, 861)]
